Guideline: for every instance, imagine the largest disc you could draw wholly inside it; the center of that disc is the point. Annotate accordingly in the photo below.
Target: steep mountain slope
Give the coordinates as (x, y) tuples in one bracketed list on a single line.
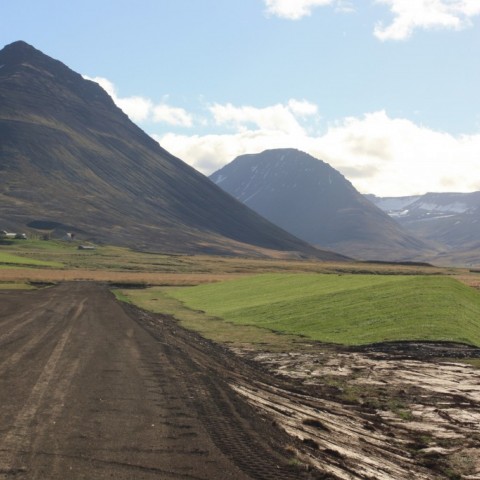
[(310, 199), (451, 220), (70, 160)]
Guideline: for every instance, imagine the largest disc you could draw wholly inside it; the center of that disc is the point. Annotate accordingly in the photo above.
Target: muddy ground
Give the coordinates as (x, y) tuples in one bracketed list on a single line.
[(92, 389)]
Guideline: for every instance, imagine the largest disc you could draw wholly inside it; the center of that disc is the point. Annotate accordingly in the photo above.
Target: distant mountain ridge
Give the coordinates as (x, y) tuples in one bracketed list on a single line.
[(450, 220), (312, 200), (70, 160), (429, 205)]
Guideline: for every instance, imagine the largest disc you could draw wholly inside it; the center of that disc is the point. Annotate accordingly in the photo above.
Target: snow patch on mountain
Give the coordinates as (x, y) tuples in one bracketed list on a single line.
[(430, 205), (456, 207), (402, 213), (246, 200), (219, 179), (392, 204)]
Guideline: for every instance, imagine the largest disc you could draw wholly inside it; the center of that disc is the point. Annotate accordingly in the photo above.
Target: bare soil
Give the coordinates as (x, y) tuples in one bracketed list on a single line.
[(92, 389), (387, 411)]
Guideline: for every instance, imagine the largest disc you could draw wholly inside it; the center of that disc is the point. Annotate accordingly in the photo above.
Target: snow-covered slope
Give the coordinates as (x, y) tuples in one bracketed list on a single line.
[(394, 206), (452, 220), (429, 205)]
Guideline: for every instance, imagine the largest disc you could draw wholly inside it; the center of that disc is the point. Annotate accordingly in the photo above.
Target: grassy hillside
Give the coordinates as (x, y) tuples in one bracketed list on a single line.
[(346, 309)]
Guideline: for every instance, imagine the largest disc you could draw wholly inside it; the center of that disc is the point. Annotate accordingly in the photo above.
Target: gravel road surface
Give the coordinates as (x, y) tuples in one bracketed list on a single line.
[(91, 389)]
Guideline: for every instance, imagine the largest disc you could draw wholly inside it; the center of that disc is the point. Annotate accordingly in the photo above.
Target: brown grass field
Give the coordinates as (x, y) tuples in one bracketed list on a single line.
[(56, 261), (17, 275)]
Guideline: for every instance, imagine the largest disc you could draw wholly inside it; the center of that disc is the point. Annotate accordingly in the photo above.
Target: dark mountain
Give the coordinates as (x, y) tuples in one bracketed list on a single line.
[(310, 199), (451, 220), (70, 160)]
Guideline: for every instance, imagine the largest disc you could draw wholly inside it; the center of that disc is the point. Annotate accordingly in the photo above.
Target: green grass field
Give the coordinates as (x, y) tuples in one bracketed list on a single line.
[(158, 300), (345, 309), (16, 261)]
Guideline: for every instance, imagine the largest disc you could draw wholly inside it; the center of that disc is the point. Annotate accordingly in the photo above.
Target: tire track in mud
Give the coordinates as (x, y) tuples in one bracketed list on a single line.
[(221, 420), (20, 319), (235, 428), (19, 334), (216, 412), (18, 437)]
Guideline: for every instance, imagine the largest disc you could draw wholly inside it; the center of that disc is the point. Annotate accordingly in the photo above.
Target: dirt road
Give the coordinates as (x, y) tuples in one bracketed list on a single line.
[(88, 392)]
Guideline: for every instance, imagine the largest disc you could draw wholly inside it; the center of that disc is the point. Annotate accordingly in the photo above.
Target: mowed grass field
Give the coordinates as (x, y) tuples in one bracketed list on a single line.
[(345, 309)]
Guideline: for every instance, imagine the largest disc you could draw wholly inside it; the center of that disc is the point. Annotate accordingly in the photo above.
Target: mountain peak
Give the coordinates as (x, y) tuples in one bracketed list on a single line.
[(20, 45), (18, 52), (310, 199), (21, 57), (53, 86)]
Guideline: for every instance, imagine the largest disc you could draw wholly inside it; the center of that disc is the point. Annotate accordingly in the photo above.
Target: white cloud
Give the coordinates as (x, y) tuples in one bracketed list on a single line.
[(408, 15), (106, 84), (137, 108), (208, 153), (276, 118), (398, 157), (302, 108), (379, 154), (172, 115), (294, 9), (425, 14), (141, 109)]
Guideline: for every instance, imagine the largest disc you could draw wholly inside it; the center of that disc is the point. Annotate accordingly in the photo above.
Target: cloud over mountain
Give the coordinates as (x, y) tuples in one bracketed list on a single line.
[(278, 118), (376, 152), (140, 109)]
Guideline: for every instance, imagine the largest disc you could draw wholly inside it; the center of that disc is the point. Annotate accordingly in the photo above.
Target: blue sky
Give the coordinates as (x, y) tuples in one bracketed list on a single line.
[(386, 91)]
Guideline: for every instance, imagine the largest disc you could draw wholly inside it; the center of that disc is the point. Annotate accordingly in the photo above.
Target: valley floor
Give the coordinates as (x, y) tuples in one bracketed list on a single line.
[(91, 388)]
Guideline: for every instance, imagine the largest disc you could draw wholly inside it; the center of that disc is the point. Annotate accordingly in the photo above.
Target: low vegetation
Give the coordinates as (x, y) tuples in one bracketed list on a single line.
[(347, 303), (108, 257), (345, 309), (15, 286), (159, 300), (8, 259)]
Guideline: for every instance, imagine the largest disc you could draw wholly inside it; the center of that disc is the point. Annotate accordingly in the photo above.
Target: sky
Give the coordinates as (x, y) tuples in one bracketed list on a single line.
[(385, 91)]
